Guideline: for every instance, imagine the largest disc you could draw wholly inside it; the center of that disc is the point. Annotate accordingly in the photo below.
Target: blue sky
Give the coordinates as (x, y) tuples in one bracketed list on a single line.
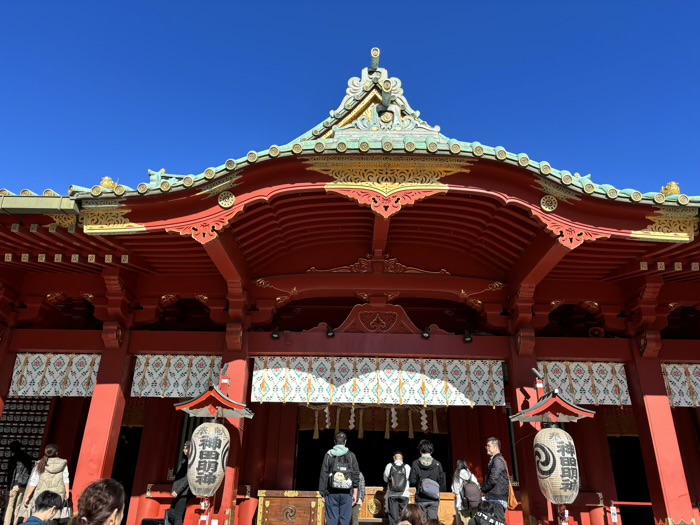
[(95, 89)]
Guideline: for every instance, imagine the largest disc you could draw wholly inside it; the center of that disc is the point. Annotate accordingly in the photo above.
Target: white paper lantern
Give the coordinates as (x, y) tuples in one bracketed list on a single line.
[(557, 465), (206, 466)]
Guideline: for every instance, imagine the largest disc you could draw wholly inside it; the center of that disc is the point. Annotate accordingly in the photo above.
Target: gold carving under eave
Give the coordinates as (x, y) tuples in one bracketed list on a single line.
[(385, 183), (100, 221), (670, 225), (366, 265), (109, 222), (282, 299), (388, 174), (65, 221)]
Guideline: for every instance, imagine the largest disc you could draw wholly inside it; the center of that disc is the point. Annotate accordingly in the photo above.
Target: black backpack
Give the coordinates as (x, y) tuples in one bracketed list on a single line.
[(397, 478), (341, 473), (470, 494)]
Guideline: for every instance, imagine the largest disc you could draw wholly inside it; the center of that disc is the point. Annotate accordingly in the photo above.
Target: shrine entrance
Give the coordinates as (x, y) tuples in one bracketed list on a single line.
[(373, 452)]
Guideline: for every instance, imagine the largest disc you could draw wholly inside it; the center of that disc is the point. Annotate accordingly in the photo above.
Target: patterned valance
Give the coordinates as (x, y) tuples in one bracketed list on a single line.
[(174, 375), (682, 384), (49, 375), (377, 381), (587, 382)]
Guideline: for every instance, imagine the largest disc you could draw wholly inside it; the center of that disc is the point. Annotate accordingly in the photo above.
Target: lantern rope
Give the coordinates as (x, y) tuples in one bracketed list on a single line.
[(285, 388), (361, 430), (332, 385), (400, 382), (142, 383), (436, 430), (337, 419), (89, 381), (189, 372), (309, 385), (379, 384), (315, 424), (617, 384), (164, 384), (572, 389), (387, 434), (410, 424)]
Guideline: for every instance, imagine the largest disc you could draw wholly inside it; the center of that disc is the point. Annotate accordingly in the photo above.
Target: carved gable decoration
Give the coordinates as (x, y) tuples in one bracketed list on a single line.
[(670, 225), (387, 183), (378, 319)]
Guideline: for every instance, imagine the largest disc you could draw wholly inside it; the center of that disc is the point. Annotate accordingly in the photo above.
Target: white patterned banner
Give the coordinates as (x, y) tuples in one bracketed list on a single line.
[(378, 381), (174, 375), (682, 384), (587, 382), (49, 375)]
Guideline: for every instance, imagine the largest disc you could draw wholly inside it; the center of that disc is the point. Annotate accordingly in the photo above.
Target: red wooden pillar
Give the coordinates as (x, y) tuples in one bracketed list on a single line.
[(106, 410), (657, 434), (7, 363), (155, 457), (234, 383), (597, 475), (523, 395)]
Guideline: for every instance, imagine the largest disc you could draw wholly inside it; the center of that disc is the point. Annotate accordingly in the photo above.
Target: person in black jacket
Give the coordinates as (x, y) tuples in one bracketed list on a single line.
[(19, 468), (181, 492), (427, 467), (339, 482), (496, 485)]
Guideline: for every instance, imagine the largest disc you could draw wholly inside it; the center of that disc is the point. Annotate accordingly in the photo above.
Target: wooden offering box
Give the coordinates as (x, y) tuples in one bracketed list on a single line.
[(307, 508), (290, 506)]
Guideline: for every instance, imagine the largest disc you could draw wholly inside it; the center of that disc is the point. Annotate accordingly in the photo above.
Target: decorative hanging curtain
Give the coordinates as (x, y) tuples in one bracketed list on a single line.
[(682, 384), (49, 375), (378, 381), (587, 382), (174, 375)]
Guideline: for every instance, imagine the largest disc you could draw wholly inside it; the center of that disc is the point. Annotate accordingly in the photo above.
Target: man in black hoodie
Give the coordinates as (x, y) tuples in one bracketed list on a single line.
[(339, 482), (423, 469)]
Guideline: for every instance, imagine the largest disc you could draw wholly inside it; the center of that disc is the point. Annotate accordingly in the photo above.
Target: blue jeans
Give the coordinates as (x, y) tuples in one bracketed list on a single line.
[(338, 509)]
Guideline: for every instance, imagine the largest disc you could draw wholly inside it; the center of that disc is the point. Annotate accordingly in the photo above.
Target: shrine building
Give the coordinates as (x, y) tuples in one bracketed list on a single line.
[(372, 275)]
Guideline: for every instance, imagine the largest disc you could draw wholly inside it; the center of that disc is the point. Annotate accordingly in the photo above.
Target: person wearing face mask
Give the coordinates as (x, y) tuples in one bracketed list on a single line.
[(396, 475)]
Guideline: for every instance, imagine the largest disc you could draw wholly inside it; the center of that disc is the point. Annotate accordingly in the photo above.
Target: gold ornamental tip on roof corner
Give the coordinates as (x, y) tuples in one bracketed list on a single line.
[(671, 188)]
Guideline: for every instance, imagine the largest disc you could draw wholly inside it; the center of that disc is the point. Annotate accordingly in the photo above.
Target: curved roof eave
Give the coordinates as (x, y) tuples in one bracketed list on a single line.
[(355, 128)]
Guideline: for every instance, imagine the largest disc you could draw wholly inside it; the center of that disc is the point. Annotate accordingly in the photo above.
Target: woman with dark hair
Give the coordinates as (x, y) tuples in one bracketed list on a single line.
[(181, 492), (412, 514), (467, 492), (50, 473), (102, 503)]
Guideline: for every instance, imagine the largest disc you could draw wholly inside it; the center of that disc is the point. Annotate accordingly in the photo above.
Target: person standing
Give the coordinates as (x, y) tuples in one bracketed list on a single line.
[(46, 506), (467, 492), (19, 467), (339, 482), (396, 475), (428, 477), (361, 494), (496, 485), (180, 492), (50, 473)]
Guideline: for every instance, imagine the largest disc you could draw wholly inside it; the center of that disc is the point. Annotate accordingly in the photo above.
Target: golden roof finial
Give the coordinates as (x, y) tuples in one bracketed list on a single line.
[(108, 183), (162, 170), (671, 188)]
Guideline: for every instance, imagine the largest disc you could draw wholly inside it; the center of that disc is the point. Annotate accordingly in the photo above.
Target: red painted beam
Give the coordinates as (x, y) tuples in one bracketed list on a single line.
[(378, 345), (69, 341), (380, 235), (195, 343), (582, 349)]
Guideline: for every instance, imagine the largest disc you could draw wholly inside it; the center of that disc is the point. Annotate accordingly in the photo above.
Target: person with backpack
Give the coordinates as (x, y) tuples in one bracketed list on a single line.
[(396, 476), (429, 479), (339, 482), (467, 492)]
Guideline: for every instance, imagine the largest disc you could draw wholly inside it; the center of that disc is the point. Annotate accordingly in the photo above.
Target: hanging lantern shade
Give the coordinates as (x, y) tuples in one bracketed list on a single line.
[(206, 466), (557, 465)]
